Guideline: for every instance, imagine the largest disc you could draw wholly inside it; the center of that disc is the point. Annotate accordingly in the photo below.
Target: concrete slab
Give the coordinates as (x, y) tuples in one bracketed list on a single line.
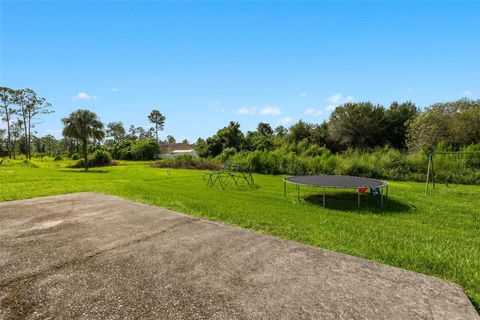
[(91, 256)]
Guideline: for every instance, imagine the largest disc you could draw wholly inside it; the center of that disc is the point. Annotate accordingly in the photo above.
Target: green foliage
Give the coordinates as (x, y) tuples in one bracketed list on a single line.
[(358, 125), (28, 163), (398, 117), (83, 126), (144, 150), (384, 163), (158, 119), (75, 156), (58, 158), (116, 131), (141, 149), (454, 123), (186, 162), (228, 137), (100, 158)]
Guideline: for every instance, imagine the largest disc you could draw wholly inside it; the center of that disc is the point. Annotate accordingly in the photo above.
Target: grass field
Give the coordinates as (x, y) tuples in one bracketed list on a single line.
[(438, 235)]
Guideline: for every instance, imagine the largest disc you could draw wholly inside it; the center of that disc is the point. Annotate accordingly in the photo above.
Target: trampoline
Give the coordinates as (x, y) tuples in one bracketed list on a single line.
[(360, 184)]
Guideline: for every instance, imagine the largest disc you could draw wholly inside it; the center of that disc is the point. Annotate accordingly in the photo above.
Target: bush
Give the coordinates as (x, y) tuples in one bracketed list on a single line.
[(75, 156), (186, 162), (28, 163), (135, 150), (100, 158), (383, 163), (58, 158)]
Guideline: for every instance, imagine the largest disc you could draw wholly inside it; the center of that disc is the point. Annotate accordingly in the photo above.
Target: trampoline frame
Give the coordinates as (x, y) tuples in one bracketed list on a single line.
[(383, 187)]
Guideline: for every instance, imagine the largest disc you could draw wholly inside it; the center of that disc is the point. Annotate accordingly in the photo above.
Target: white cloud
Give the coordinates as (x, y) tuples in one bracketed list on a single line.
[(246, 110), (83, 96), (336, 100), (313, 112), (303, 94), (331, 107), (467, 93), (115, 89), (268, 110), (285, 121)]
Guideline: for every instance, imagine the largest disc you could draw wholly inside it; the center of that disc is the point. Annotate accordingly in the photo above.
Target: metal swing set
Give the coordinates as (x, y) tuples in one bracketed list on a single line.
[(430, 169)]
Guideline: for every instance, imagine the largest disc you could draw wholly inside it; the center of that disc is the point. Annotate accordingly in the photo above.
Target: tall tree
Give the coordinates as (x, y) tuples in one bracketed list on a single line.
[(84, 126), (231, 136), (16, 133), (454, 123), (116, 131), (7, 98), (171, 139), (3, 140), (265, 129), (299, 131), (398, 118), (31, 105), (358, 125), (158, 120)]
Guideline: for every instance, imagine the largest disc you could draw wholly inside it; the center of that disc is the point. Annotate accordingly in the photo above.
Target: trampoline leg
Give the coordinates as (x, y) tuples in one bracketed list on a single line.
[(324, 197), (381, 196), (358, 199), (298, 192), (284, 189)]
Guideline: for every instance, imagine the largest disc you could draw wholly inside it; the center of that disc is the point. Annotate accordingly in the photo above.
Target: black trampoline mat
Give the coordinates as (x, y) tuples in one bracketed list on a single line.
[(330, 181)]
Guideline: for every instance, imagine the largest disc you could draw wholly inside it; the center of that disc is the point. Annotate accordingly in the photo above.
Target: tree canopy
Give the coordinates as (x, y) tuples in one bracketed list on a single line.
[(84, 126)]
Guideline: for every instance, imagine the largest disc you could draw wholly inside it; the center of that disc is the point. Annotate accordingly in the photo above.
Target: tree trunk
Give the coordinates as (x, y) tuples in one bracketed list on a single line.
[(9, 138), (85, 155), (29, 136), (24, 116), (14, 146), (156, 132)]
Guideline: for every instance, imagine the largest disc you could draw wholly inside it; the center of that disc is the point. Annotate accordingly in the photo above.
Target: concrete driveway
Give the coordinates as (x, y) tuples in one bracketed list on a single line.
[(92, 256)]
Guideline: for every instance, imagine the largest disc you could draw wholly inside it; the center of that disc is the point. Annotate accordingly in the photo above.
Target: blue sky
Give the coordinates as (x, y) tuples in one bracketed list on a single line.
[(203, 64)]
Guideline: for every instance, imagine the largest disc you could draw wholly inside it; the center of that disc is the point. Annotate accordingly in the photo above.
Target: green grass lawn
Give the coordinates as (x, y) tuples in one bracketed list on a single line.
[(438, 235)]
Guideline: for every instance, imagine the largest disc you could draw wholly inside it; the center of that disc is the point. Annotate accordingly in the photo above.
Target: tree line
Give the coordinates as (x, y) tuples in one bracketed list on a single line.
[(358, 125), (351, 126), (21, 109), (83, 132)]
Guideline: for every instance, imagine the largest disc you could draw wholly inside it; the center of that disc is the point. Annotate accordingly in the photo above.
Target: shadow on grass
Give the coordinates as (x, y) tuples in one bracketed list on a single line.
[(83, 171), (233, 187), (348, 201)]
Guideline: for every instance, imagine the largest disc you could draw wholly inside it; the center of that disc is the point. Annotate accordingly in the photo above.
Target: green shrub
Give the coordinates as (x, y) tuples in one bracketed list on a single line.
[(58, 158), (384, 163), (28, 163), (100, 158), (75, 156), (186, 162)]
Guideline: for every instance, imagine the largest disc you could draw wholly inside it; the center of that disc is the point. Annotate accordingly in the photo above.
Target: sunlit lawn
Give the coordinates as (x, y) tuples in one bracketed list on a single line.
[(437, 234)]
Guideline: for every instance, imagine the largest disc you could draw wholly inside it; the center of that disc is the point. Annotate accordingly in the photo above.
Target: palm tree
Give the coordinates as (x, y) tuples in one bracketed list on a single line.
[(83, 125)]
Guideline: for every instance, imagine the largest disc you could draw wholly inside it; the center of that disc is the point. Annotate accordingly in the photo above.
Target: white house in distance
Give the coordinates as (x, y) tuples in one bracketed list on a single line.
[(171, 150)]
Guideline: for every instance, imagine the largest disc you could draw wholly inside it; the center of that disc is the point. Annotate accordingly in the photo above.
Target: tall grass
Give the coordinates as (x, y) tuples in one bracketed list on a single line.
[(384, 163)]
